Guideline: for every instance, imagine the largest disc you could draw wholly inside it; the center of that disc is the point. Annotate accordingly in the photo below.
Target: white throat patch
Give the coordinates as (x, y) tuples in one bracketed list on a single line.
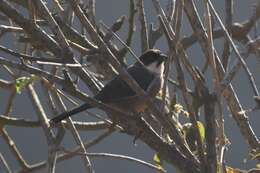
[(156, 69)]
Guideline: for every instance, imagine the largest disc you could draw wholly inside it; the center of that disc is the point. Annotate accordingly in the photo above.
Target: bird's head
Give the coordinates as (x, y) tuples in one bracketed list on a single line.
[(154, 60)]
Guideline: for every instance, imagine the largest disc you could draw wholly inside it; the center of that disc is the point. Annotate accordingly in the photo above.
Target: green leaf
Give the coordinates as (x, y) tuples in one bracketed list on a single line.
[(190, 134), (21, 82), (157, 158), (158, 162), (201, 130), (188, 129)]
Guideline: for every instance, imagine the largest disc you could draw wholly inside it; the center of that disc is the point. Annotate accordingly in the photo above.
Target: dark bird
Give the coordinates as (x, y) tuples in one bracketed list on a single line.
[(149, 76)]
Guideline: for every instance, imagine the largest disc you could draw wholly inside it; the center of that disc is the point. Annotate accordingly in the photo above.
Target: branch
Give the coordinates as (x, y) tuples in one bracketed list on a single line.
[(170, 35), (32, 70), (28, 57), (21, 122), (98, 155), (211, 132), (242, 61), (131, 28), (12, 146), (75, 135), (45, 125), (142, 20), (74, 36), (229, 15), (229, 94), (128, 158), (6, 166), (8, 85), (37, 34), (59, 36)]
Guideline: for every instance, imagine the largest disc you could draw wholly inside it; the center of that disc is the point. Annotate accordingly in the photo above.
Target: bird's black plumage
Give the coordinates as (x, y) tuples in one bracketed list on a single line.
[(123, 90), (117, 89)]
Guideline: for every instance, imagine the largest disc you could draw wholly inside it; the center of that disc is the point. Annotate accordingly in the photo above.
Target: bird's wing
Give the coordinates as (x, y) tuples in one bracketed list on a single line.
[(118, 89)]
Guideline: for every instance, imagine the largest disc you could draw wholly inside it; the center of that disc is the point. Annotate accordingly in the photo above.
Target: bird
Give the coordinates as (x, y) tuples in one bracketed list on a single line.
[(148, 72)]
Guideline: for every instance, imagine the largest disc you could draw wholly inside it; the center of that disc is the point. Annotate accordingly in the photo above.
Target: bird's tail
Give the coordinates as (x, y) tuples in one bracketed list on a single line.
[(65, 115)]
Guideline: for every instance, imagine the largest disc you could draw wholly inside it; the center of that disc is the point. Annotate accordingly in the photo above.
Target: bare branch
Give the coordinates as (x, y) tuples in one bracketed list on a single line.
[(142, 19), (240, 58), (229, 94), (35, 31), (12, 146), (131, 28), (7, 168), (52, 156), (20, 122)]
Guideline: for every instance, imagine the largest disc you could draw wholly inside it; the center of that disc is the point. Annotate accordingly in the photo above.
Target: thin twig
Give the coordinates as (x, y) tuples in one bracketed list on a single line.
[(52, 156), (226, 48), (10, 101), (37, 33), (62, 157), (108, 122), (92, 12), (131, 28), (28, 57), (21, 122), (128, 158), (103, 155), (229, 94), (171, 40), (12, 146), (8, 85), (6, 166), (240, 58), (77, 138), (178, 18), (32, 70), (143, 22), (66, 50), (122, 42)]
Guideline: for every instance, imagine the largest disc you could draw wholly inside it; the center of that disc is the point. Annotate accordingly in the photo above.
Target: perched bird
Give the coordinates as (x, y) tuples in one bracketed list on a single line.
[(148, 74)]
